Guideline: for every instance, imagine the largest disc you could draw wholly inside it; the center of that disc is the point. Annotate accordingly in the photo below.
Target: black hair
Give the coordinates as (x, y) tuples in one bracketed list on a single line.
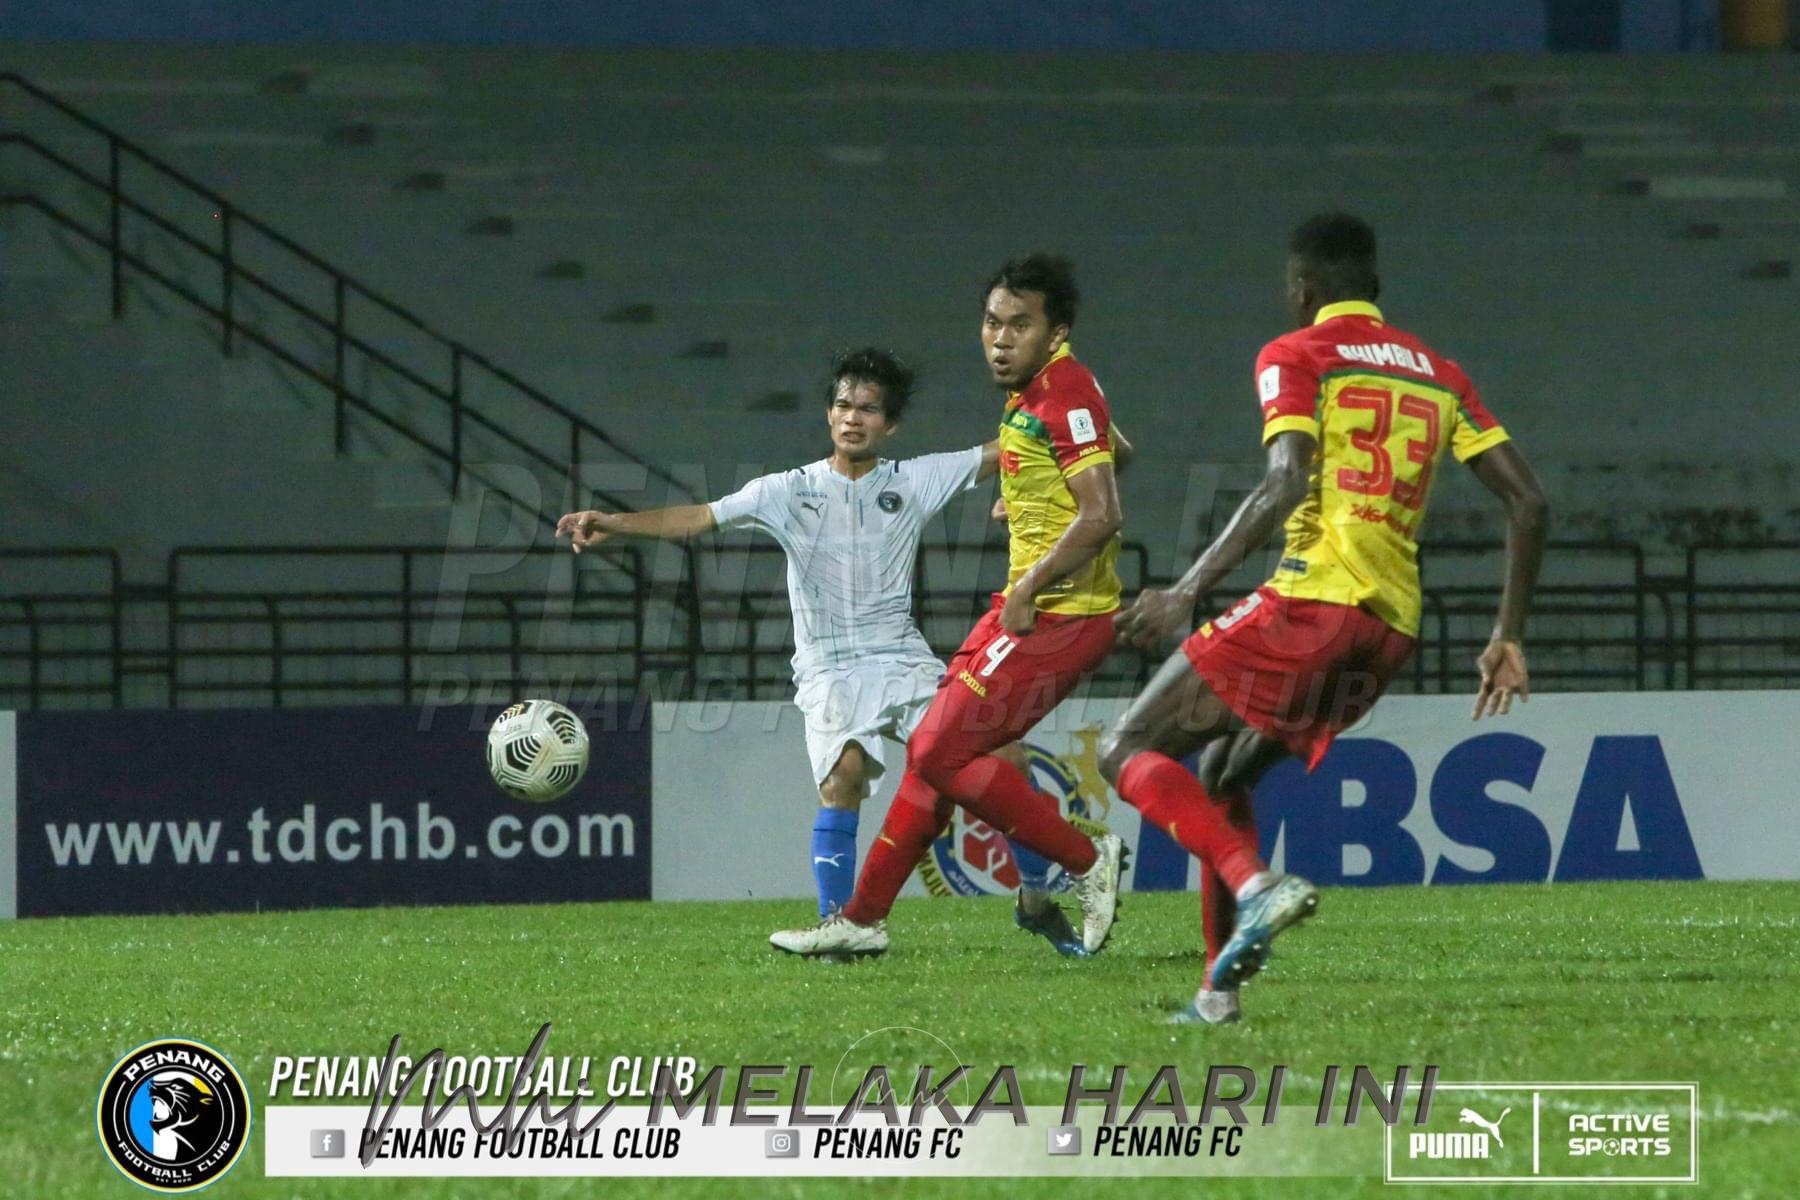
[(1050, 274), (880, 367), (1337, 252)]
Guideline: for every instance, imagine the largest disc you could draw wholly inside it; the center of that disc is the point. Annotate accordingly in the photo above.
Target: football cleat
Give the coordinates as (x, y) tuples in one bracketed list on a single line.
[(1052, 924), (1287, 901), (836, 937), (1098, 891), (1210, 1008)]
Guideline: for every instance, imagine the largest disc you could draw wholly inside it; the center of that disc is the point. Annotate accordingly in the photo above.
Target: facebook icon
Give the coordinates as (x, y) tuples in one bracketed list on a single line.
[(328, 1143)]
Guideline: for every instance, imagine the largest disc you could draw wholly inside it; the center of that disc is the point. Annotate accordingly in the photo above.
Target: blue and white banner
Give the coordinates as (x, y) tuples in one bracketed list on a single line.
[(1567, 787), (204, 811), (147, 811)]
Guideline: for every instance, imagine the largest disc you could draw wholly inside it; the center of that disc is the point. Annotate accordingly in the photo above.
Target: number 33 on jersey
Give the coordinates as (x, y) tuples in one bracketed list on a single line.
[(1383, 407)]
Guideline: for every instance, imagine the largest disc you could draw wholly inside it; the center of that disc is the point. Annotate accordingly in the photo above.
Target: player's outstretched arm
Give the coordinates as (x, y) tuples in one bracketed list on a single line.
[(1097, 519), (590, 528), (1504, 472), (1161, 614), (990, 460)]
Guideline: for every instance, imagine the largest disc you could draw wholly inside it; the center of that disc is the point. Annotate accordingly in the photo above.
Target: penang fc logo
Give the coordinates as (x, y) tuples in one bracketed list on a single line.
[(973, 859), (174, 1115)]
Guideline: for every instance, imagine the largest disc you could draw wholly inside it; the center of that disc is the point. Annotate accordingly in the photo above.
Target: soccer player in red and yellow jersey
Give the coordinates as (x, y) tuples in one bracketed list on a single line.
[(1356, 416), (1051, 626)]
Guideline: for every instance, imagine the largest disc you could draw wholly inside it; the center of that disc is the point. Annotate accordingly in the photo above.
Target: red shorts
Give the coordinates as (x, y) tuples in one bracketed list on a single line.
[(1298, 671), (998, 686)]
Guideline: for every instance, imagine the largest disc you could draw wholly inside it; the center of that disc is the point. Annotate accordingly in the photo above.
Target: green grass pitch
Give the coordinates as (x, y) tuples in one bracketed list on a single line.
[(1663, 982)]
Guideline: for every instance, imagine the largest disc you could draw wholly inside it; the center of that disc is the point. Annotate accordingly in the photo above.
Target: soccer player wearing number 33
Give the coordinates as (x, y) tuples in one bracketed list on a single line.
[(1356, 415), (1052, 625)]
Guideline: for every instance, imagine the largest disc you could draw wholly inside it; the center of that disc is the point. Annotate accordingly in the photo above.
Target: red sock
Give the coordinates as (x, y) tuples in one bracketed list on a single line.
[(1218, 909), (1218, 903), (1175, 802), (914, 820), (994, 790)]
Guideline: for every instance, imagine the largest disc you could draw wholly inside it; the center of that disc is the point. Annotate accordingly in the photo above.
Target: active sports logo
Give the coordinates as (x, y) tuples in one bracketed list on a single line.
[(972, 858), (173, 1115)]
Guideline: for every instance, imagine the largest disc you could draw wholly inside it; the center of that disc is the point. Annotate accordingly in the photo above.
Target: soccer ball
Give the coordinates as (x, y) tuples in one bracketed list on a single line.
[(537, 750)]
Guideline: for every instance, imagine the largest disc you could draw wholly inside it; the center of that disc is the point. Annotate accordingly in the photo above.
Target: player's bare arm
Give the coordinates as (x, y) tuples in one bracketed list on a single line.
[(1504, 472), (1122, 451), (1097, 519), (590, 528), (1164, 613)]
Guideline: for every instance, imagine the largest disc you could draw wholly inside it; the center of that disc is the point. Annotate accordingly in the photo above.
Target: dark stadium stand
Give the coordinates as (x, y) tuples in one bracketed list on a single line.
[(622, 241)]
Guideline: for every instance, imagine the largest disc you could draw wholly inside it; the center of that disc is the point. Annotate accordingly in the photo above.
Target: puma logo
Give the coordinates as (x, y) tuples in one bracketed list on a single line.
[(833, 860), (812, 507), (1471, 1117)]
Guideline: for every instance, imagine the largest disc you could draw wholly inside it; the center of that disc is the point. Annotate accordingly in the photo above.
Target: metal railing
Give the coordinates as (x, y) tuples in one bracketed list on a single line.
[(1742, 622), (413, 624), (62, 632), (394, 625), (1613, 629), (337, 323)]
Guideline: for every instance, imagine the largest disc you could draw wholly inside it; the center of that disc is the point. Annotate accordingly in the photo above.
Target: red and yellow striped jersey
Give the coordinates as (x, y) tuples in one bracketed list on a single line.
[(1383, 407), (1052, 431)]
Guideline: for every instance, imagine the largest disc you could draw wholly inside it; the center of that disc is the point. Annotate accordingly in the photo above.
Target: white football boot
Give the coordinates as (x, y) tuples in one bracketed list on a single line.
[(837, 936), (1098, 891), (1210, 1008), (1286, 902)]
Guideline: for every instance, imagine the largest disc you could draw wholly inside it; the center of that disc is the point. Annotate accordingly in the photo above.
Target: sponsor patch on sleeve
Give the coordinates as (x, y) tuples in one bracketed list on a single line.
[(1268, 384), (1081, 426)]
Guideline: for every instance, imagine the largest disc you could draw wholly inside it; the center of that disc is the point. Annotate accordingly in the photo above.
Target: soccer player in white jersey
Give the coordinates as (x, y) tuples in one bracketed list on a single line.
[(850, 525)]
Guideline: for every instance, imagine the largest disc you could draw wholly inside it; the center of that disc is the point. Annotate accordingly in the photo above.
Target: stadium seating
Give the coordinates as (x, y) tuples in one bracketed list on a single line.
[(673, 243)]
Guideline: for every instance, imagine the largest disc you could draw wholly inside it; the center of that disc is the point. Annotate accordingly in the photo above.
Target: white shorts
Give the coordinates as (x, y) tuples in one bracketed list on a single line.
[(881, 700)]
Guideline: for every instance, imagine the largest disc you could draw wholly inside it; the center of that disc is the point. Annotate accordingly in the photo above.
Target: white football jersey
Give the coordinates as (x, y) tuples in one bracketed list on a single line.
[(850, 548)]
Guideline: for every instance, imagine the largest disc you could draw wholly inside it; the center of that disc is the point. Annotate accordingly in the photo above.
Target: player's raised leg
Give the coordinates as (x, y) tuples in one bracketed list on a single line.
[(1230, 768), (998, 687), (987, 701), (1177, 715)]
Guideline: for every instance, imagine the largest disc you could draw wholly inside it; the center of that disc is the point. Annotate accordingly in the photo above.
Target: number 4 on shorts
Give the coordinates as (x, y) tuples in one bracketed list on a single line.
[(996, 652)]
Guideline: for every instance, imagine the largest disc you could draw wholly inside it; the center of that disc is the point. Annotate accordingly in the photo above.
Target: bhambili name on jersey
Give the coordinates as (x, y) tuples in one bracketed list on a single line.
[(1387, 354)]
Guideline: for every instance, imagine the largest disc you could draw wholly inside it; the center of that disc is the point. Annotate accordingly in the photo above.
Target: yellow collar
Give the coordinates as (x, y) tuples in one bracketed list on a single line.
[(1347, 308), (1062, 351)]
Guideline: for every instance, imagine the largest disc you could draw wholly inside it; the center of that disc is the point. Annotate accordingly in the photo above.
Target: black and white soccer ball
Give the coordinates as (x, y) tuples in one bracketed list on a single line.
[(537, 750)]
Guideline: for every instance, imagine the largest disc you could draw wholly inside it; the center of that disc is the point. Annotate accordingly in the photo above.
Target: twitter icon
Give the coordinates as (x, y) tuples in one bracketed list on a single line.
[(1065, 1139)]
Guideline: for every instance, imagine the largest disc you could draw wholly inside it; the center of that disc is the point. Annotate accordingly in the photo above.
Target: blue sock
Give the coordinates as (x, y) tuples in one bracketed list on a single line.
[(1034, 868), (834, 857)]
